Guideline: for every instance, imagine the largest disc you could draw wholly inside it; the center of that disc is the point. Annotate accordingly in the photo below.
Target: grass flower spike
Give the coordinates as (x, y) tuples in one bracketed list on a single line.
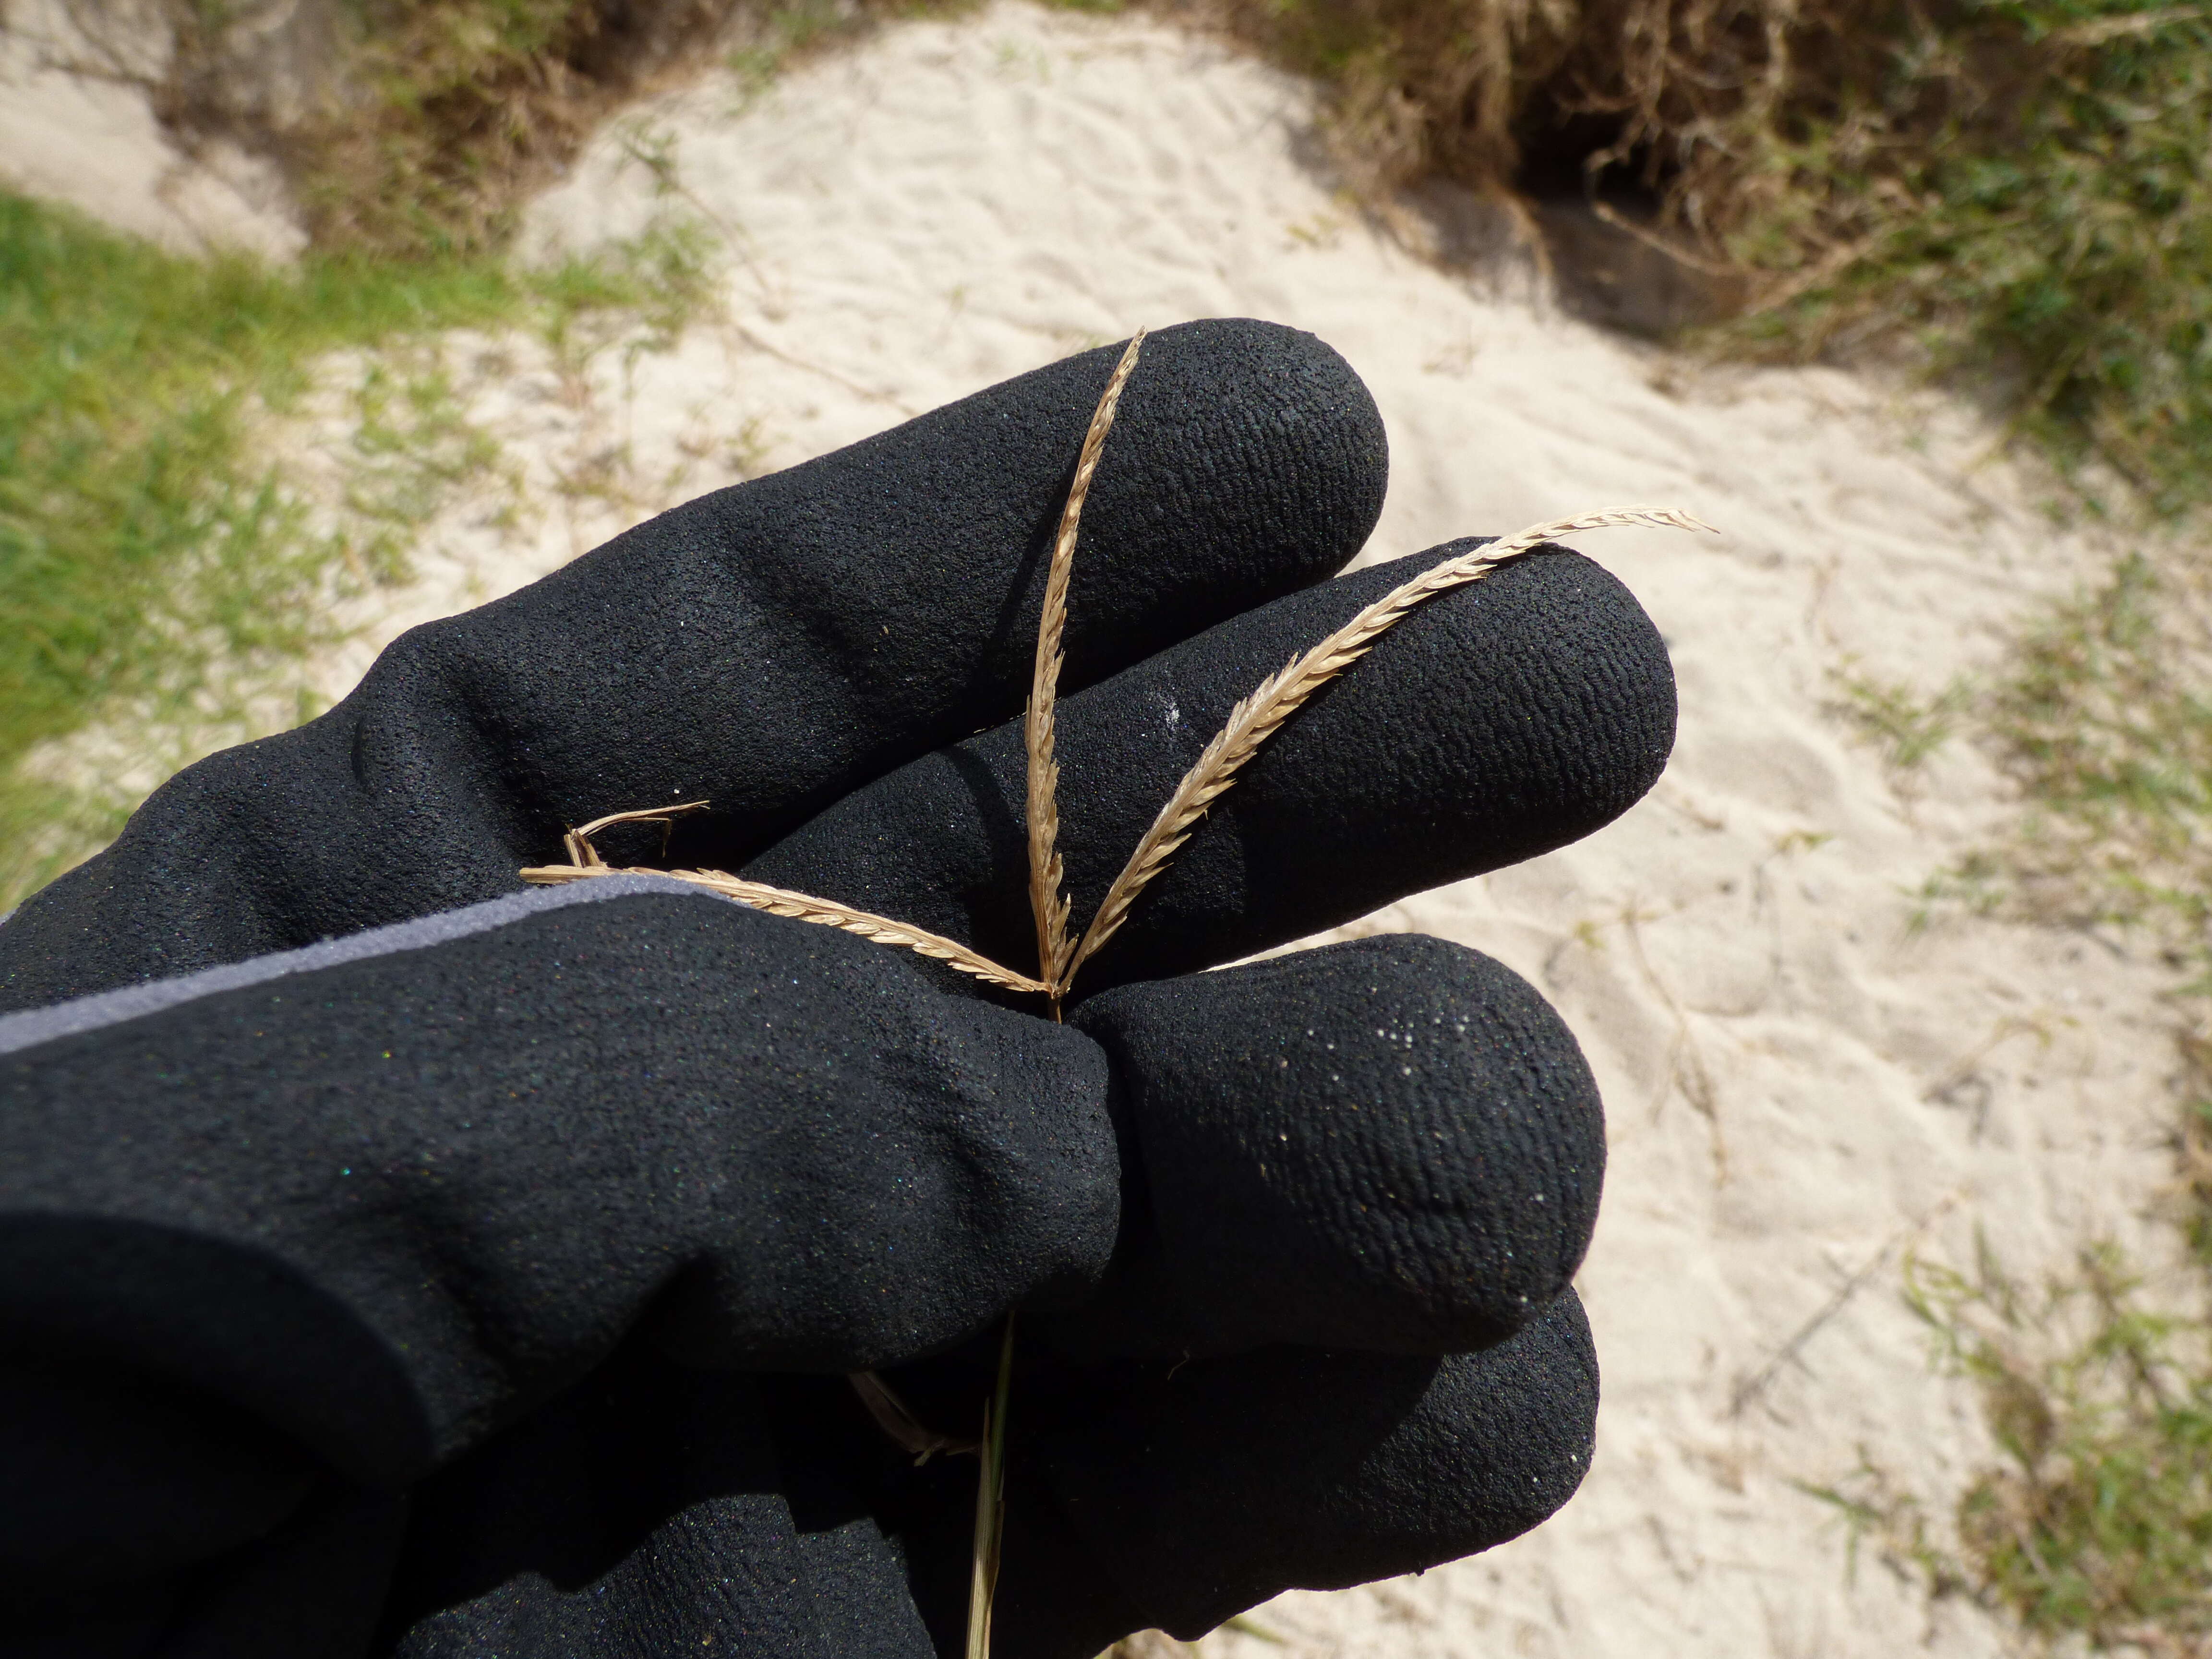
[(1061, 955)]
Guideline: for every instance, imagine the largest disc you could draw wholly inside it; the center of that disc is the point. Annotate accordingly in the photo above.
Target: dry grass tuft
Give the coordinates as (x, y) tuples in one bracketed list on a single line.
[(2013, 191), (417, 128)]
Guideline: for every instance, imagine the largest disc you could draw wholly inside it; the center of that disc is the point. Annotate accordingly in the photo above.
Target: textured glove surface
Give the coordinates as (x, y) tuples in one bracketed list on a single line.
[(485, 1290)]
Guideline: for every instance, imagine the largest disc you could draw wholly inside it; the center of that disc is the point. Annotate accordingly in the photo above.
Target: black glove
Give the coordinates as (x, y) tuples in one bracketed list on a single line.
[(477, 1275)]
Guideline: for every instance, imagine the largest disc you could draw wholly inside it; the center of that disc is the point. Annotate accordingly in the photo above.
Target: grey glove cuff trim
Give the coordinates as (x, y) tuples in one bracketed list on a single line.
[(36, 1025)]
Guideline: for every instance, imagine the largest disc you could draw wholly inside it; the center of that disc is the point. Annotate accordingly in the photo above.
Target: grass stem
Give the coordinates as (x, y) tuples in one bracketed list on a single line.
[(990, 1502)]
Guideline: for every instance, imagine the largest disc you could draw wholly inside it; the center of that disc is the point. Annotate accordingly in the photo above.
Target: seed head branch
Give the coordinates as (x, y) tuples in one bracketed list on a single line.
[(1048, 902), (896, 1418), (1261, 714), (579, 840), (781, 901)]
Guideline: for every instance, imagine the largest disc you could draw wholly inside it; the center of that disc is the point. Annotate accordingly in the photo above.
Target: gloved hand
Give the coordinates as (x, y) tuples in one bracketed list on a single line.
[(392, 1260)]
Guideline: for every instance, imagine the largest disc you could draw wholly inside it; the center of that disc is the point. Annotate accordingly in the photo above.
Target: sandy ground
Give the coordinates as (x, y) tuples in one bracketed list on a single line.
[(75, 125), (1802, 1086)]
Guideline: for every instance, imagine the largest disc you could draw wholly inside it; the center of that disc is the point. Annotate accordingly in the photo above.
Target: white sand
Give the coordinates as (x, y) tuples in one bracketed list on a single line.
[(1801, 1088), (76, 125)]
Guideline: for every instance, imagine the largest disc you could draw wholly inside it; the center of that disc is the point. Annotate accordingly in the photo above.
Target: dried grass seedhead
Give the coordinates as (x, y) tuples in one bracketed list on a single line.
[(781, 901), (1261, 714), (1255, 719), (1251, 723), (1048, 902)]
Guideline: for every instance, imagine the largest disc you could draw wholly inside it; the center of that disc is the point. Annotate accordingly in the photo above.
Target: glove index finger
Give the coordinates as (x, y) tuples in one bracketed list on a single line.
[(772, 646)]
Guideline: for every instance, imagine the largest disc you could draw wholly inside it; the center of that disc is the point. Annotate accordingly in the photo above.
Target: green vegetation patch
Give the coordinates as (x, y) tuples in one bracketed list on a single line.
[(2025, 192), (427, 124), (2095, 1525), (148, 552), (2105, 717), (2014, 189)]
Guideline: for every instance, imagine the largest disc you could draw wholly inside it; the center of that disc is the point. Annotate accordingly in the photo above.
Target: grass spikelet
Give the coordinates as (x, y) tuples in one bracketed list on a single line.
[(1261, 714), (1048, 902), (803, 907)]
